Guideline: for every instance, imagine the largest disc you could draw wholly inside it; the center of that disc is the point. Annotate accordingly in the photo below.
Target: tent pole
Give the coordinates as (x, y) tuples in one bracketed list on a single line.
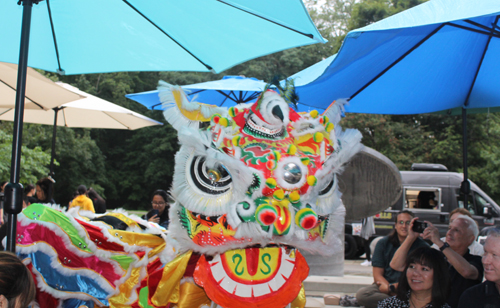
[(14, 190), (465, 187), (53, 151)]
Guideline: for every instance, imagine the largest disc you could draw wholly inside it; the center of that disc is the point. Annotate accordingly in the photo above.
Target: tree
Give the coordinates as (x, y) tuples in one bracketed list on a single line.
[(79, 160), (34, 160)]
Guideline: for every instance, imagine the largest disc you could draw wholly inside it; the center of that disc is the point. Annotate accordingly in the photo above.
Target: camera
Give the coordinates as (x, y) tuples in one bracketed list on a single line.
[(418, 226)]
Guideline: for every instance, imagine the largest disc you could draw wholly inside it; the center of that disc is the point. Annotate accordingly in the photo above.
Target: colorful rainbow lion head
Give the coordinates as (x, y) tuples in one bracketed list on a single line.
[(255, 183)]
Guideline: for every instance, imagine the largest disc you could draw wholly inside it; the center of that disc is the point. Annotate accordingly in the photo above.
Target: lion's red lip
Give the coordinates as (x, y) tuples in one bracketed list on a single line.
[(270, 276)]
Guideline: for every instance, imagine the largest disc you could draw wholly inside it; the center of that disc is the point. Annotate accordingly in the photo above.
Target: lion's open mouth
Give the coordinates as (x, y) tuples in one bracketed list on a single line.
[(253, 275)]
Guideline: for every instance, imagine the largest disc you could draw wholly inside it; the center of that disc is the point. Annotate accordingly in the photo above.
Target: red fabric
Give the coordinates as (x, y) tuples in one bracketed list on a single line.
[(95, 233), (193, 261), (37, 233)]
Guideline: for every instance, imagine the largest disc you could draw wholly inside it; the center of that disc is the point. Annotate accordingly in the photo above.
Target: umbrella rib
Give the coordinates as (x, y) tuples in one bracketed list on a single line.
[(155, 105), (492, 29), (475, 30), (267, 19), (235, 96), (64, 118), (226, 96), (479, 65), (8, 85), (225, 99), (117, 121), (397, 60), (253, 96), (60, 70), (163, 31), (7, 110)]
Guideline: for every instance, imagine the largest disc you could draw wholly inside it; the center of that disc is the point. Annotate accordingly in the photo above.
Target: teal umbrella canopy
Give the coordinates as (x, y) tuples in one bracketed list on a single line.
[(97, 36), (94, 36)]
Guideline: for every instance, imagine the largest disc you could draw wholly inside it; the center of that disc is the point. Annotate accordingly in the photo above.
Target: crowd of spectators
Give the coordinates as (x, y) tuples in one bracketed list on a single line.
[(408, 272)]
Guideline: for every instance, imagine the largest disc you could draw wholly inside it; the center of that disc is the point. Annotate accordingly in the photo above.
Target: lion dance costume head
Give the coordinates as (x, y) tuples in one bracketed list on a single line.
[(254, 184)]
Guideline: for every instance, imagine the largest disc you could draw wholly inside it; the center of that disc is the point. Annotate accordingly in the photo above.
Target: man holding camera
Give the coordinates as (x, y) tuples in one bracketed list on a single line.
[(465, 269)]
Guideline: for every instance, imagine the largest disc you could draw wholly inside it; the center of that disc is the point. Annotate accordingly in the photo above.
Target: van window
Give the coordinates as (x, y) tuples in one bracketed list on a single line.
[(422, 198), (470, 202), (480, 203)]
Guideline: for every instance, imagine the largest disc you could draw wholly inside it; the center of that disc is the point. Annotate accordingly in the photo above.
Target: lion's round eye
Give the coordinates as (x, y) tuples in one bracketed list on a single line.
[(327, 188), (292, 173), (214, 181)]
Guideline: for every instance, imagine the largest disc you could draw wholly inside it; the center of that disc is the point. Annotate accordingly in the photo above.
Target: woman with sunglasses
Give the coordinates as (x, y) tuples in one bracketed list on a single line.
[(159, 213)]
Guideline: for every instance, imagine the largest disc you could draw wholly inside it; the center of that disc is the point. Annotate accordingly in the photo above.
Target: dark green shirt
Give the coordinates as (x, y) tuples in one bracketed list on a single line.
[(382, 256)]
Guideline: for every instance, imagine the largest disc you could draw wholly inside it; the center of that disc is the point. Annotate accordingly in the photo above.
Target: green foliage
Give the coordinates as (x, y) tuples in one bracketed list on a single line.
[(79, 160), (34, 161), (370, 11)]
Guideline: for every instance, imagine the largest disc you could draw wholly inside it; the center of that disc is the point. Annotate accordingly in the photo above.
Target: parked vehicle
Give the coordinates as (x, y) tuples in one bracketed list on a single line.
[(431, 192)]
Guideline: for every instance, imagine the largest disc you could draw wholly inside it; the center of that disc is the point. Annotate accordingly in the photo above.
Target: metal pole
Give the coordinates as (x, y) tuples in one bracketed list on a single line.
[(14, 190), (53, 152), (465, 187)]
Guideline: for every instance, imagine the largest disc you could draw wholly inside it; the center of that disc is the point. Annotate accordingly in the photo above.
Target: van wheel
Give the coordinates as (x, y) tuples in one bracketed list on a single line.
[(350, 247)]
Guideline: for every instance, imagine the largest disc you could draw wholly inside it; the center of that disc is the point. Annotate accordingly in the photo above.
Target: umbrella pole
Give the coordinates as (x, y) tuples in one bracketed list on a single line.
[(53, 151), (14, 190), (465, 187)]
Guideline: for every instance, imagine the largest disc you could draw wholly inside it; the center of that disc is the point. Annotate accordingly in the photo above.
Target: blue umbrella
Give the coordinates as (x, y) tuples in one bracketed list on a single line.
[(440, 55), (307, 76), (93, 36), (228, 91)]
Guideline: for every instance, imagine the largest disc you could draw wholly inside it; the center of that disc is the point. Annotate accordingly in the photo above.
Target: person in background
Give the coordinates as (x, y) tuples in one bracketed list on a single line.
[(475, 248), (30, 190), (465, 269), (486, 294), (2, 186), (98, 201), (367, 230), (386, 278), (424, 199), (17, 288), (45, 190), (82, 200), (159, 213), (423, 283), (75, 194)]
